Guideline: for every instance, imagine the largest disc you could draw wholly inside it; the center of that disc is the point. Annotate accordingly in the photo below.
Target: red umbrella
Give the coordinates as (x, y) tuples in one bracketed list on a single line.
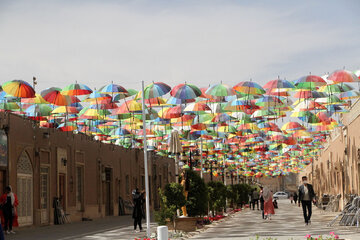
[(54, 96), (339, 76)]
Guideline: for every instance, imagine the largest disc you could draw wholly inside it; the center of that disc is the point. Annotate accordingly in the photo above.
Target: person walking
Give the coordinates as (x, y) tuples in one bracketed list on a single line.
[(291, 198), (255, 198), (138, 211), (295, 197), (9, 202), (268, 203), (262, 203), (306, 197)]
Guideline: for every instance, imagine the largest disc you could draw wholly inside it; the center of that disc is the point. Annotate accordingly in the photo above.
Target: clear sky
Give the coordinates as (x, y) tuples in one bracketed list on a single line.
[(201, 42)]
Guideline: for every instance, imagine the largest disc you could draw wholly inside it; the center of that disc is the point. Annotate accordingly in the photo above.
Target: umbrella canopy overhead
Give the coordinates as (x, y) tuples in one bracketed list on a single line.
[(241, 127)]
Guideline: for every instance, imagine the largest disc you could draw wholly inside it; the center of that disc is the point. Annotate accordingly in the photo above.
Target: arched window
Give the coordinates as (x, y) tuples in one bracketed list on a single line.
[(24, 164)]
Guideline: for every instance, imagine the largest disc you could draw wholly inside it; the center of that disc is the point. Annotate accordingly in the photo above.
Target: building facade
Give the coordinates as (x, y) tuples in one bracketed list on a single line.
[(90, 178), (337, 169)]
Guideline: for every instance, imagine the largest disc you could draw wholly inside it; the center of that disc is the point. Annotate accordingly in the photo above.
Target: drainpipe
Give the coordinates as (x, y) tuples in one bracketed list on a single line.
[(345, 167)]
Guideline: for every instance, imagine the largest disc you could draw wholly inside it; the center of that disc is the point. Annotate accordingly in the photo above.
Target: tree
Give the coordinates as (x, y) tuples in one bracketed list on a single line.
[(197, 201), (170, 200), (233, 194), (243, 191), (174, 194), (217, 196)]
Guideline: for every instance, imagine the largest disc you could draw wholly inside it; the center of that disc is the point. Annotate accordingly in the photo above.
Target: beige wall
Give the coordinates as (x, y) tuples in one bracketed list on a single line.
[(336, 170)]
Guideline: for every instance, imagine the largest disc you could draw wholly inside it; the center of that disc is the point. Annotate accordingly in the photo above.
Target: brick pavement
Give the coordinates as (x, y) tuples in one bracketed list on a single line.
[(106, 228), (288, 223)]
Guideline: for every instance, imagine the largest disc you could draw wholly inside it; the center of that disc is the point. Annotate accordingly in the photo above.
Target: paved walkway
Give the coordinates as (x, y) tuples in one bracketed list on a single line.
[(108, 228), (288, 223)]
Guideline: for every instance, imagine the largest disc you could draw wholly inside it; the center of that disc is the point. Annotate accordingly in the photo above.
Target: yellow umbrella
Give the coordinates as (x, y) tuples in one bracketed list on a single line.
[(38, 99), (65, 109)]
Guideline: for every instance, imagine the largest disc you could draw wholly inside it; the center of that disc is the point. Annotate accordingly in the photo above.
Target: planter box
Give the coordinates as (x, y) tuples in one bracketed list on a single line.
[(186, 224)]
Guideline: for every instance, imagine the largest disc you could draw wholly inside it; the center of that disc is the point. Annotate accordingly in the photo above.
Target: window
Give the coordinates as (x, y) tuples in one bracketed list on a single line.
[(44, 187), (142, 182), (160, 181), (135, 183), (79, 187), (127, 183)]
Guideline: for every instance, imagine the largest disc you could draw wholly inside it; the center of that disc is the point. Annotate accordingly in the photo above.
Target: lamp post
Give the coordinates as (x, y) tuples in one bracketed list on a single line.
[(147, 203)]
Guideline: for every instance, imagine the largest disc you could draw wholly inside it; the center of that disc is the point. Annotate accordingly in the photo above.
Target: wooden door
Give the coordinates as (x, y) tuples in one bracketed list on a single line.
[(62, 190), (24, 190)]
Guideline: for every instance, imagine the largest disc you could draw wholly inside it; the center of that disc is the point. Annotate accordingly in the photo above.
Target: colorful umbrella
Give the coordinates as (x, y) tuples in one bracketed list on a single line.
[(76, 90), (309, 82), (185, 91), (249, 87), (19, 88), (54, 96), (156, 89), (220, 90)]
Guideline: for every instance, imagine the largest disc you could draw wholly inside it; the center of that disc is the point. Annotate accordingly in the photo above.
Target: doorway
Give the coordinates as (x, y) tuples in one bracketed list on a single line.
[(62, 190), (108, 192), (25, 190)]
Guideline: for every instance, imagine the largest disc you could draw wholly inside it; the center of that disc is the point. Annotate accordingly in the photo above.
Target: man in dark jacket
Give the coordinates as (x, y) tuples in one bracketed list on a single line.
[(306, 197), (138, 212)]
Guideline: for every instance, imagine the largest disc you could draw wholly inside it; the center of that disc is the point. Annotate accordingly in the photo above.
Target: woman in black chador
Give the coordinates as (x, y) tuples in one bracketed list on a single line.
[(138, 212)]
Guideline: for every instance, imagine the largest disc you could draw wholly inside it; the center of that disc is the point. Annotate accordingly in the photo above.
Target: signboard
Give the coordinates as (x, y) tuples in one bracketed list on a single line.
[(3, 149)]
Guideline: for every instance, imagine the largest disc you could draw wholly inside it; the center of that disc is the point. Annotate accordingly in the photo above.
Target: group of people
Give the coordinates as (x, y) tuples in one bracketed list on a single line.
[(267, 204), (305, 198)]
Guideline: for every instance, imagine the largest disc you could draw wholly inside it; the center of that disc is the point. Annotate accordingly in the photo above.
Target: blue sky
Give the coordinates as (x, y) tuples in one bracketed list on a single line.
[(202, 42)]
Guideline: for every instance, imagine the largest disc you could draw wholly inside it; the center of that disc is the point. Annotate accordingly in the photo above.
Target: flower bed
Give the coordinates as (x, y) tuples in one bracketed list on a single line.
[(215, 218), (332, 236)]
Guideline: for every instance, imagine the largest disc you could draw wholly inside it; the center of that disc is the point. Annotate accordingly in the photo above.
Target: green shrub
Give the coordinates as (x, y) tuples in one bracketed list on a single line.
[(243, 191), (174, 194), (197, 202), (171, 199), (217, 192), (233, 195), (165, 211)]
